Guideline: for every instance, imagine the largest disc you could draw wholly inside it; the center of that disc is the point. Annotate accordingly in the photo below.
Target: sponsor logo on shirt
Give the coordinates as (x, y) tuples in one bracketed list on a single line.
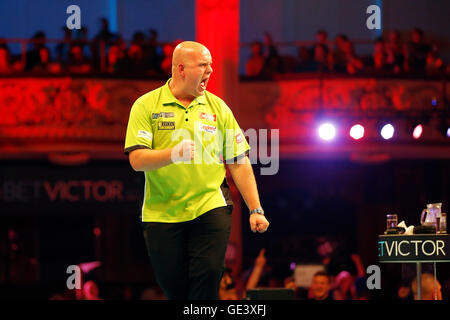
[(166, 125), (207, 116), (145, 134), (239, 138), (207, 128), (163, 115)]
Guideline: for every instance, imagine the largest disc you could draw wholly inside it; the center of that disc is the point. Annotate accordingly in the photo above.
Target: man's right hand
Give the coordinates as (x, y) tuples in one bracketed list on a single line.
[(184, 151)]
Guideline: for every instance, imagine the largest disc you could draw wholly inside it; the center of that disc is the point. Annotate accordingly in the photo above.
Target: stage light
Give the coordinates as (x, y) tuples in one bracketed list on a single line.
[(417, 132), (387, 132), (448, 132), (357, 132), (327, 131)]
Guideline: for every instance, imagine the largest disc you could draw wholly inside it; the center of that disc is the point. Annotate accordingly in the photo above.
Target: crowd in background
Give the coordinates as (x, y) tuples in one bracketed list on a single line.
[(392, 55), (340, 277), (145, 55), (76, 54)]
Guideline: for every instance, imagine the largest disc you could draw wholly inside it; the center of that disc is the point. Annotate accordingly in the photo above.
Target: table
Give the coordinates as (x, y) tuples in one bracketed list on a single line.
[(417, 248)]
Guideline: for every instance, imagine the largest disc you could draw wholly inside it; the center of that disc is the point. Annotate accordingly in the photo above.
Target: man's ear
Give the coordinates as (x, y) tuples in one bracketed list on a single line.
[(181, 70)]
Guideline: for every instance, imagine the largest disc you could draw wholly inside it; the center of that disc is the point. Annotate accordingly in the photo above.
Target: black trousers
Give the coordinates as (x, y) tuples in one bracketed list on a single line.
[(188, 258)]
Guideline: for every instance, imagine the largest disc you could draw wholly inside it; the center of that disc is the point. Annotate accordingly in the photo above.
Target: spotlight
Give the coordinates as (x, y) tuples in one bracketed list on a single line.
[(417, 132), (387, 132), (448, 132), (327, 131), (357, 132)]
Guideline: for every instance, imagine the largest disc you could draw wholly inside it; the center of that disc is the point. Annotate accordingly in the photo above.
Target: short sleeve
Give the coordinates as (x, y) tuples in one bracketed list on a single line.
[(235, 144), (139, 130)]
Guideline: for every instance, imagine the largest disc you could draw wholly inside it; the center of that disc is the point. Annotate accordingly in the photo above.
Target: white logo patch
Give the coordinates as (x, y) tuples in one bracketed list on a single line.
[(207, 128), (145, 134)]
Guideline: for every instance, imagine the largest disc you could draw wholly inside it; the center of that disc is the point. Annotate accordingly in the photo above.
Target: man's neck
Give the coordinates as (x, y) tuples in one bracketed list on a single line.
[(184, 99)]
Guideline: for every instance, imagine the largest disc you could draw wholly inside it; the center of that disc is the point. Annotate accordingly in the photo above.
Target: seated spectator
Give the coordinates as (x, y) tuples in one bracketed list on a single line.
[(272, 60), (255, 63), (227, 288), (299, 293), (90, 291), (5, 58), (416, 53), (153, 293), (260, 264), (344, 287), (320, 287), (78, 63), (430, 288), (394, 52), (166, 64), (44, 64)]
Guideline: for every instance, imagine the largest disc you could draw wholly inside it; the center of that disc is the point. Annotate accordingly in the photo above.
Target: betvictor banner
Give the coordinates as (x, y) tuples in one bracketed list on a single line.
[(414, 248)]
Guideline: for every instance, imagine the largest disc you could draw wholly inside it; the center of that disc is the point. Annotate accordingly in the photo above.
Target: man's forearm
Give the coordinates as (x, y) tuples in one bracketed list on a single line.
[(148, 159), (245, 181)]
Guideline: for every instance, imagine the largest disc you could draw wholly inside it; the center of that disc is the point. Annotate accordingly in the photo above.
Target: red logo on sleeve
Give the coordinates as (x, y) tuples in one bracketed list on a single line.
[(238, 138)]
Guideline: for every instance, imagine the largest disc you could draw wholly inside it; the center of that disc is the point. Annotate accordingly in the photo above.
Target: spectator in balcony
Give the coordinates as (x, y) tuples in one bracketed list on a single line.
[(394, 51), (338, 60), (322, 37), (272, 60), (33, 57), (379, 62), (321, 59), (5, 58), (80, 38), (78, 63), (63, 48), (102, 39), (416, 53), (166, 63), (117, 57), (136, 53), (45, 65), (153, 53), (255, 64), (305, 62), (434, 64), (353, 63)]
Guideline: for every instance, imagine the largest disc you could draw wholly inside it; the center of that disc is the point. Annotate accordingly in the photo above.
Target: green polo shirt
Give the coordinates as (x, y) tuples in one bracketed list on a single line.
[(183, 191)]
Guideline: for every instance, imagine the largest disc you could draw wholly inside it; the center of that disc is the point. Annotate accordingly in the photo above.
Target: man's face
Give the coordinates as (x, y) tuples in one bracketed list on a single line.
[(320, 287), (197, 71)]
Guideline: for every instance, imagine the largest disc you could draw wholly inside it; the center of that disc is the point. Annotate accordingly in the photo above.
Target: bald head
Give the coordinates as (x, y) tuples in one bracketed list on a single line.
[(191, 69), (186, 52)]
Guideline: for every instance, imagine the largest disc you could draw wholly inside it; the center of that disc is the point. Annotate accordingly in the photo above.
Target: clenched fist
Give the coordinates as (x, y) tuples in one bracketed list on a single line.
[(184, 151)]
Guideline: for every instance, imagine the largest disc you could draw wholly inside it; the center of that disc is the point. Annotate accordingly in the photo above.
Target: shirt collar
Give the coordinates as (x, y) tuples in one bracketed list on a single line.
[(168, 98)]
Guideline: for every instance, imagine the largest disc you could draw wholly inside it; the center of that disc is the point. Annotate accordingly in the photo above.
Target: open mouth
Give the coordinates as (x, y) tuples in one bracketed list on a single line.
[(204, 83)]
